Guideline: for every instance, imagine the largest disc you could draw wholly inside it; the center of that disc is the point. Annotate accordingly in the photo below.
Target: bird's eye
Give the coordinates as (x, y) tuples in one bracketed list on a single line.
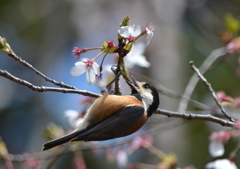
[(146, 86)]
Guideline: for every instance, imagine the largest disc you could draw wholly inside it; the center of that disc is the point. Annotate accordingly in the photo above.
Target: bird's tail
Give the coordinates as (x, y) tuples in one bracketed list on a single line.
[(60, 140)]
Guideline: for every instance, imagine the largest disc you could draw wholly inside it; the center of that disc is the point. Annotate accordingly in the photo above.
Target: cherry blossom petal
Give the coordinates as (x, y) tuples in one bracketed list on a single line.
[(78, 69), (91, 76), (123, 31), (149, 37), (95, 68), (136, 31), (142, 61), (149, 29), (136, 57), (221, 164), (216, 148), (127, 31), (138, 48)]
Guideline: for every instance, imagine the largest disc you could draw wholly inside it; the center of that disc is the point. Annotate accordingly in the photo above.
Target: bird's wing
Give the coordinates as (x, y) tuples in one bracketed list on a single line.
[(116, 125)]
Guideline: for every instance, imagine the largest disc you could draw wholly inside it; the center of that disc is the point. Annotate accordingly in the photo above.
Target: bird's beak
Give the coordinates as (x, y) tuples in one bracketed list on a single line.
[(134, 84)]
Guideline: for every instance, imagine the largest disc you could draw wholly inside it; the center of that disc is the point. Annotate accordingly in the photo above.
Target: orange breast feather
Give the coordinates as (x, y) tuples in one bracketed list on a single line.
[(138, 125), (109, 104)]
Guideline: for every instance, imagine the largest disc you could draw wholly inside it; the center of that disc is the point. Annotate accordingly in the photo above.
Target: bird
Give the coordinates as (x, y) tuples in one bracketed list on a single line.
[(112, 116)]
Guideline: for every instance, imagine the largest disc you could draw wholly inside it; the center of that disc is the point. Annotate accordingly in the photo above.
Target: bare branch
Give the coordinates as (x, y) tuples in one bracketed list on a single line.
[(211, 90), (28, 65), (6, 74), (191, 116), (194, 79)]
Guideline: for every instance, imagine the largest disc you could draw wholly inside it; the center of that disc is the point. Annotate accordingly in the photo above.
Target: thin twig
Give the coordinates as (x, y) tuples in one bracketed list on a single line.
[(211, 91), (28, 65), (191, 116), (9, 76), (194, 79)]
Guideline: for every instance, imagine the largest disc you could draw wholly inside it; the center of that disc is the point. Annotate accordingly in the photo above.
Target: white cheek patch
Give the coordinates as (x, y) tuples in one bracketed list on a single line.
[(147, 98)]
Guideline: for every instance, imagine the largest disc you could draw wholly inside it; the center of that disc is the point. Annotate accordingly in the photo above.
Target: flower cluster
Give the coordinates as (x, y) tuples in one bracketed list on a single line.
[(128, 52)]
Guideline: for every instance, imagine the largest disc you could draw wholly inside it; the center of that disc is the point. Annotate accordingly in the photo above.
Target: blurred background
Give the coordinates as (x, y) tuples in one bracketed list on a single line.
[(43, 33)]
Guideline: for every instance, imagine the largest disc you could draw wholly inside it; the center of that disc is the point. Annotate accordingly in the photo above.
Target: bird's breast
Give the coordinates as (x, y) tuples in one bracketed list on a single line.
[(139, 124)]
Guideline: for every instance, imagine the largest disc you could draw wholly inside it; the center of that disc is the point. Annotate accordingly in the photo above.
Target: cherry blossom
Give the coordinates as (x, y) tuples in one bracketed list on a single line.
[(221, 164), (129, 32), (216, 148), (90, 67), (136, 57)]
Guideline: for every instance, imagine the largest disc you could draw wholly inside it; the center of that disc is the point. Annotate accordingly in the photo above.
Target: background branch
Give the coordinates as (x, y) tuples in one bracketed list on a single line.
[(215, 54), (211, 91)]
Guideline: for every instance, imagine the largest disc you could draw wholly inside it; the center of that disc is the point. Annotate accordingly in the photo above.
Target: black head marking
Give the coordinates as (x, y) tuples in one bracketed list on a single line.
[(153, 107)]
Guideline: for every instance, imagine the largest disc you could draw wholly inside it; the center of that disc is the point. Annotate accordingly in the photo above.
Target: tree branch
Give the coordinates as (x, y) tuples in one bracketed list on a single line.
[(191, 116), (9, 76), (28, 65), (194, 79), (211, 91)]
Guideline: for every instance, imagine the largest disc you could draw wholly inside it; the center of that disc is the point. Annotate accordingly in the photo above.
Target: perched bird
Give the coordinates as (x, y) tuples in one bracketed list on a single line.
[(113, 116)]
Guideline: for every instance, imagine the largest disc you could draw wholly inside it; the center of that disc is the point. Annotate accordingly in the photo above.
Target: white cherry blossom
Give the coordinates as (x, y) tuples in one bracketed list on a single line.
[(221, 164), (90, 67), (216, 148), (129, 32), (136, 57)]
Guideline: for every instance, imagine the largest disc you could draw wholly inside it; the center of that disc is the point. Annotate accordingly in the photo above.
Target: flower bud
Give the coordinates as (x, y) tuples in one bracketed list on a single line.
[(125, 21), (4, 46), (234, 45)]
